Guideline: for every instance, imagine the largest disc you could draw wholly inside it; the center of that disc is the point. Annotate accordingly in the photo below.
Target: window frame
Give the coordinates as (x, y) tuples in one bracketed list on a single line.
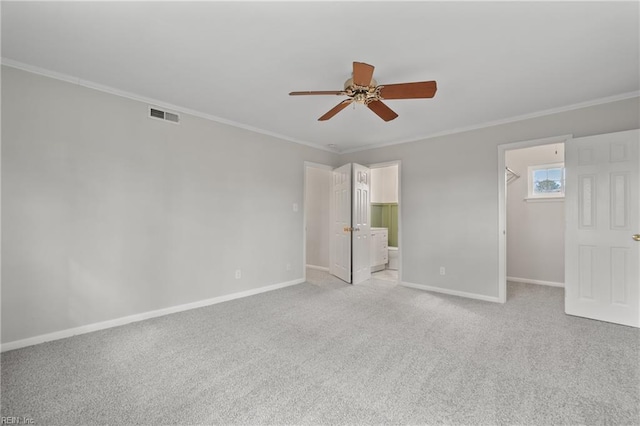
[(531, 195)]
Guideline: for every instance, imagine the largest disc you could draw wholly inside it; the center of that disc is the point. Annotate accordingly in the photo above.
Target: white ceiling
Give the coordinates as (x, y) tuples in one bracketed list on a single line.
[(237, 61)]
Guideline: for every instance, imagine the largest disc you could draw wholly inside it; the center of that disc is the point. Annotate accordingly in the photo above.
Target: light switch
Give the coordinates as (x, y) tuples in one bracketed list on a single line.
[(295, 207)]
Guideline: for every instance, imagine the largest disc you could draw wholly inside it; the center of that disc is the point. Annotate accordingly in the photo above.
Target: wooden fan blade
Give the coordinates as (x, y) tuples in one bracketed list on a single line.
[(421, 89), (336, 109), (318, 92), (382, 110), (362, 73)]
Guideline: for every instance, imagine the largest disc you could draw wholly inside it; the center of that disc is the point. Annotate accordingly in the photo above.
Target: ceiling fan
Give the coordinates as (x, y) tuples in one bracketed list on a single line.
[(363, 89)]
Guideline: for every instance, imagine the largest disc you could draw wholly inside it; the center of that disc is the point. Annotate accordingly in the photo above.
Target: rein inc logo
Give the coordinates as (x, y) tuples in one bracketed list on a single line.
[(15, 420)]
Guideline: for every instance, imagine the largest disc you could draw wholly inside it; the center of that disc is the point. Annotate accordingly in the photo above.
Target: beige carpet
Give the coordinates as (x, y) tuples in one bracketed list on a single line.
[(325, 352)]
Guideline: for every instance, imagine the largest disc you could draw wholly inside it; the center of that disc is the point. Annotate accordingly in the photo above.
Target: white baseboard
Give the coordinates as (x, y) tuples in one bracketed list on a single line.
[(17, 344), (452, 292), (539, 282), (319, 268)]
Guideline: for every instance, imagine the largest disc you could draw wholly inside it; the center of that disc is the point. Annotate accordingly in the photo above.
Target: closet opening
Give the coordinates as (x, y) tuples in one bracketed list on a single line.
[(532, 213)]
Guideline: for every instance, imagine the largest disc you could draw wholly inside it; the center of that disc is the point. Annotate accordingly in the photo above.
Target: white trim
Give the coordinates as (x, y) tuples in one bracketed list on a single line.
[(502, 204), (586, 104), (386, 164), (317, 165), (543, 199), (319, 268), (451, 292), (86, 83), (17, 344), (502, 226), (538, 282), (133, 96)]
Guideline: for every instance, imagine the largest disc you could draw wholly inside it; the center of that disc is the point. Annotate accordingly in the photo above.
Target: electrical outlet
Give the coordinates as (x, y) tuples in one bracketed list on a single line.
[(295, 207), (238, 274), (442, 270), (288, 267)]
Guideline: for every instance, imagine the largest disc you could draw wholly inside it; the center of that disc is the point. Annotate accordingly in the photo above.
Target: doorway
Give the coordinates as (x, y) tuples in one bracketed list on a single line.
[(602, 267), (386, 221), (317, 193), (336, 229), (535, 215), (531, 213), (317, 218)]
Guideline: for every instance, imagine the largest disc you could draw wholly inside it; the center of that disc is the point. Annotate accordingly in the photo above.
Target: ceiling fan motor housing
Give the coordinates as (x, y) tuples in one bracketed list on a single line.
[(362, 94)]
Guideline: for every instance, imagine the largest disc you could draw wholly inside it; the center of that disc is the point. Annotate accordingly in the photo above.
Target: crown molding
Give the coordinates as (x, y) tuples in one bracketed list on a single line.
[(140, 98), (136, 97), (502, 121)]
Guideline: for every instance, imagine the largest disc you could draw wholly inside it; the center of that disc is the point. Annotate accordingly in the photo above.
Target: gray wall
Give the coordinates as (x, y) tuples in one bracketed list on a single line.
[(317, 206), (107, 213), (535, 230), (450, 198)]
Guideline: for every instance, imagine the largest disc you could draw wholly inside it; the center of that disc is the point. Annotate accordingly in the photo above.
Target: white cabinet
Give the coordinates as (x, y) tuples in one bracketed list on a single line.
[(379, 251)]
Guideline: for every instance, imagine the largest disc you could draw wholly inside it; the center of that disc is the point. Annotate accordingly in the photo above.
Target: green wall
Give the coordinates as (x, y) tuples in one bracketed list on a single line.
[(385, 215)]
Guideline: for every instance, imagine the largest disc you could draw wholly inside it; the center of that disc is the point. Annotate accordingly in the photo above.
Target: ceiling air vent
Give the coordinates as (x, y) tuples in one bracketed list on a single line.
[(163, 115)]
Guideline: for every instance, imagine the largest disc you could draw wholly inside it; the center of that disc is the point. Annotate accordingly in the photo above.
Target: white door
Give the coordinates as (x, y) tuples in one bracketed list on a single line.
[(340, 255), (361, 219), (602, 207)]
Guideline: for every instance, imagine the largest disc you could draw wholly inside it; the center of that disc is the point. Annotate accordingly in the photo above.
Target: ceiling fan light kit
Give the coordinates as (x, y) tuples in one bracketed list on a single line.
[(363, 89)]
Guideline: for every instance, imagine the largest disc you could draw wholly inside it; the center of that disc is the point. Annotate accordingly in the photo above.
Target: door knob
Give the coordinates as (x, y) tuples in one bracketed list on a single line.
[(636, 237)]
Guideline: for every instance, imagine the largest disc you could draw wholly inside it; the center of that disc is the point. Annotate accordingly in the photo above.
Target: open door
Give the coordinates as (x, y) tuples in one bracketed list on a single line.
[(602, 207), (361, 220), (340, 255), (350, 224)]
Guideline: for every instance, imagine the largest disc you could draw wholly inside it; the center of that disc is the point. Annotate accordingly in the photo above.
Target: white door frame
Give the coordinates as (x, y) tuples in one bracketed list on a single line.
[(311, 164), (307, 165), (399, 164), (502, 204)]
